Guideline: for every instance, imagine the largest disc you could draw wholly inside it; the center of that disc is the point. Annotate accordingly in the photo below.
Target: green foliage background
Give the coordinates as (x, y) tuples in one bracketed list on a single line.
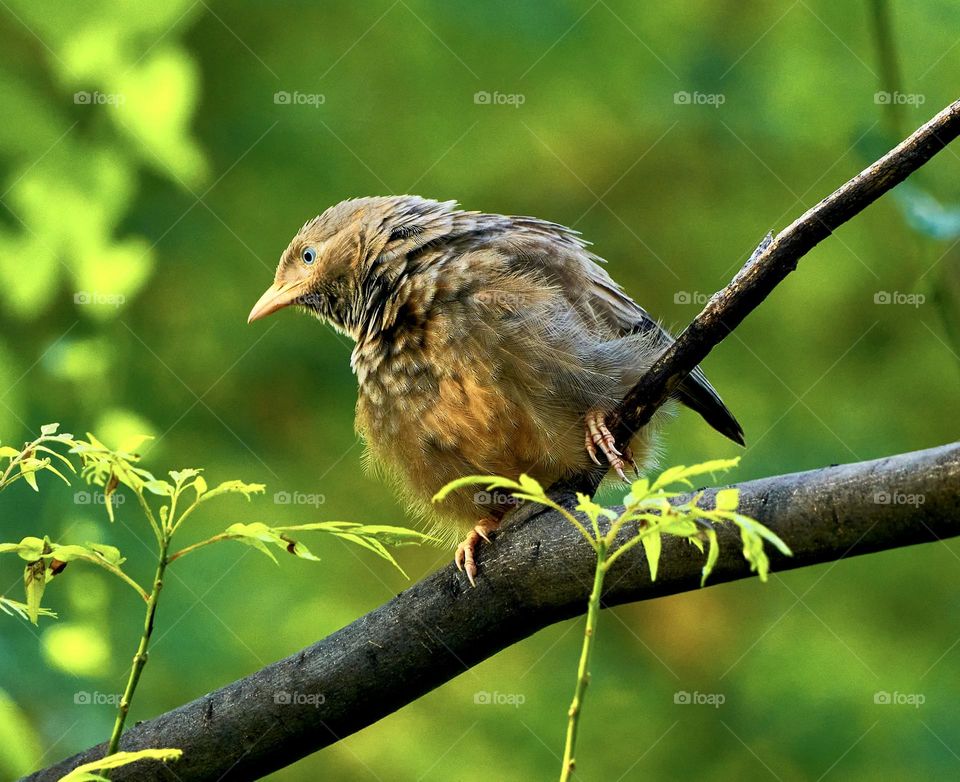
[(168, 206)]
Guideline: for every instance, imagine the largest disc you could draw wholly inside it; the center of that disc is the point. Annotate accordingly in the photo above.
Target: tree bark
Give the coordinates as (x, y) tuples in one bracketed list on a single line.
[(536, 572)]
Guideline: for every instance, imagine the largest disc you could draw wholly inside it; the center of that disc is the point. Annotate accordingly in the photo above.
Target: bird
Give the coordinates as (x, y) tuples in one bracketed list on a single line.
[(484, 344)]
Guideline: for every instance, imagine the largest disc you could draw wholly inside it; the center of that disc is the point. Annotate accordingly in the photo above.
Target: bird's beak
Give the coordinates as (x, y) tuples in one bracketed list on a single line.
[(276, 297)]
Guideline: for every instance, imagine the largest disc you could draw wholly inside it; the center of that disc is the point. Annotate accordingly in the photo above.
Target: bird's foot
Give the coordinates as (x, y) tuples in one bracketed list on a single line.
[(464, 558), (599, 436)]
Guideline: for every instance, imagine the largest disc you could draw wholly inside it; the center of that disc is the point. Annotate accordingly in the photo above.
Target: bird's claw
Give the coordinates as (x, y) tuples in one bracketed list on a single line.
[(598, 435), (464, 558)]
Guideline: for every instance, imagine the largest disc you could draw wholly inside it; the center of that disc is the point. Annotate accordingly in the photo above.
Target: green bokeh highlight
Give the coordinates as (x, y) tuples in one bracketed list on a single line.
[(138, 225)]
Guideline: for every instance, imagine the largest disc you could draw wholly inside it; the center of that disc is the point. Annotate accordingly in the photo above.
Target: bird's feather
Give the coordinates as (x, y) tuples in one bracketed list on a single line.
[(565, 259)]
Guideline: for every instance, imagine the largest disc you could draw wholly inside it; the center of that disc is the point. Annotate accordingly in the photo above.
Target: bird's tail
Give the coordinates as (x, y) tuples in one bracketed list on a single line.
[(697, 394)]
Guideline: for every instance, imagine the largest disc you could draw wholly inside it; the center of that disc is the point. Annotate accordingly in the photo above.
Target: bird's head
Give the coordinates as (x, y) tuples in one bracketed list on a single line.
[(343, 263)]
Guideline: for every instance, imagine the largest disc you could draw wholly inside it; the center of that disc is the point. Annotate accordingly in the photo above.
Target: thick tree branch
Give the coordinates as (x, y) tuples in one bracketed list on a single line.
[(540, 570), (537, 572)]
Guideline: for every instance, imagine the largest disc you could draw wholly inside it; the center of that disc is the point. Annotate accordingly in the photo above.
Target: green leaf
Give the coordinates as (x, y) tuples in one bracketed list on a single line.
[(373, 537), (132, 444), (179, 476), (109, 554), (682, 474), (639, 490), (34, 583), (28, 469), (490, 481), (92, 552), (713, 554), (50, 468), (531, 486), (200, 485), (159, 487), (758, 529), (30, 549), (85, 772), (16, 608), (6, 452), (652, 545), (49, 429), (59, 456), (593, 511), (95, 443), (681, 527), (258, 534), (248, 538), (727, 499), (374, 545), (235, 487), (754, 554), (394, 536)]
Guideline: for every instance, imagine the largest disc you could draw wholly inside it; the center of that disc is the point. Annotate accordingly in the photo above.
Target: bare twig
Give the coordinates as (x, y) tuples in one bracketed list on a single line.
[(768, 268)]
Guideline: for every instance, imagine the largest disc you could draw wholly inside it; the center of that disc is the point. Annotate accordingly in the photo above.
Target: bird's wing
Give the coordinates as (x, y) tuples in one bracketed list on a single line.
[(564, 259)]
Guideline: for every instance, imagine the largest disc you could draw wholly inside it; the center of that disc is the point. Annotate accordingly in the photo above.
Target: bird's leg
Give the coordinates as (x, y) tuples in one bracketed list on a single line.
[(464, 558), (599, 436)]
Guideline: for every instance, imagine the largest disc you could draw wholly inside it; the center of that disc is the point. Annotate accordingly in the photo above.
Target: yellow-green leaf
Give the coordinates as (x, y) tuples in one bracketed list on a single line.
[(235, 487), (85, 772), (34, 583), (16, 608), (30, 548), (713, 554), (727, 499), (652, 545), (28, 470), (490, 481), (132, 444)]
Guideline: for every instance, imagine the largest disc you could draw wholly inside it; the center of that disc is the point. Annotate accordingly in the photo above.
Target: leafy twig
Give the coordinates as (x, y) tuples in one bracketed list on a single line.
[(647, 515), (179, 498)]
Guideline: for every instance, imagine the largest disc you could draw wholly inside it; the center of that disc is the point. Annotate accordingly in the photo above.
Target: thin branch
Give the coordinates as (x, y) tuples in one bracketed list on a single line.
[(768, 267), (537, 572)]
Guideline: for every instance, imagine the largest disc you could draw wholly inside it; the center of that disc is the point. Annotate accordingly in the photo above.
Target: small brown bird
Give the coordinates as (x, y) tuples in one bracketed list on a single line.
[(485, 344)]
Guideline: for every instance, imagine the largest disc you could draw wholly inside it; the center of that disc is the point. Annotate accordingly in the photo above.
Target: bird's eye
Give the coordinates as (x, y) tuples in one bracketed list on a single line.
[(309, 255)]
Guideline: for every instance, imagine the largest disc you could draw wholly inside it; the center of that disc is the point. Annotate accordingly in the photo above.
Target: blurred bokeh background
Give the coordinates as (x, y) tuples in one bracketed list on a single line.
[(154, 161)]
